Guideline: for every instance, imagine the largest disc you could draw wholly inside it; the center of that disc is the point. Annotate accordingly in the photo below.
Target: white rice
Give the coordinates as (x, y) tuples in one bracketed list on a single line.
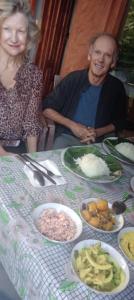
[(92, 165), (127, 149)]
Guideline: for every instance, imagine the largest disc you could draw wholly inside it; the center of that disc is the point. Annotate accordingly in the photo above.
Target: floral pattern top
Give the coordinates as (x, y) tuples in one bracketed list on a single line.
[(20, 105)]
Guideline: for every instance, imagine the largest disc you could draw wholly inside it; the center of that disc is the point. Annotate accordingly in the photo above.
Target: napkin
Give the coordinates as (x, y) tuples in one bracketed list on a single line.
[(50, 165)]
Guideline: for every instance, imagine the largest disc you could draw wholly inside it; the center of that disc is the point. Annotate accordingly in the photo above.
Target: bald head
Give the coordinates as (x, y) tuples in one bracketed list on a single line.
[(102, 56), (109, 38)]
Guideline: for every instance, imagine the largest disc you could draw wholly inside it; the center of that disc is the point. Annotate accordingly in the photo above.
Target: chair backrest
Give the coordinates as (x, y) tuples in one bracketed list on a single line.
[(57, 79), (46, 138)]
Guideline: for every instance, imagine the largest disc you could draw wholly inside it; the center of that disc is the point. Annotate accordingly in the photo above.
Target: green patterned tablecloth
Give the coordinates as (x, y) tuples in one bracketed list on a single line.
[(35, 266)]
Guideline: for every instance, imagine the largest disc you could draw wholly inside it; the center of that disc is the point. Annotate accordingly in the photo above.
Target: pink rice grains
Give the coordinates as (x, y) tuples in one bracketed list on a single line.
[(56, 225)]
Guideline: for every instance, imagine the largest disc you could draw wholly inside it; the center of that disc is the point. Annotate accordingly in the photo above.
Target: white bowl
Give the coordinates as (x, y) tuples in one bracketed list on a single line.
[(124, 230), (132, 183), (59, 207), (118, 258), (119, 220)]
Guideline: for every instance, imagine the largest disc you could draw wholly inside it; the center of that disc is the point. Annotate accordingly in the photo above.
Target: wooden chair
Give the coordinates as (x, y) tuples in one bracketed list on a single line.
[(43, 136), (49, 137)]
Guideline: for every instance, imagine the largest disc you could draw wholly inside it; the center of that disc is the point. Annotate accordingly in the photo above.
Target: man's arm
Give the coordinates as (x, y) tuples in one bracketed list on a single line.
[(79, 130), (104, 130)]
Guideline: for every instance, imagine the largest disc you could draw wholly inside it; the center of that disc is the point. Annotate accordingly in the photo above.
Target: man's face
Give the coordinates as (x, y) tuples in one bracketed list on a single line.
[(102, 56)]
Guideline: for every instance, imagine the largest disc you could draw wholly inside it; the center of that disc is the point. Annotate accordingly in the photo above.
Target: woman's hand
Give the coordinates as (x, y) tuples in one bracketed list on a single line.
[(32, 143), (4, 152)]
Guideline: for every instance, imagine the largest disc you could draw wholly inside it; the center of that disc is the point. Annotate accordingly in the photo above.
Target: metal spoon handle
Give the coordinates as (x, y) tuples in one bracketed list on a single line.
[(50, 173), (29, 163)]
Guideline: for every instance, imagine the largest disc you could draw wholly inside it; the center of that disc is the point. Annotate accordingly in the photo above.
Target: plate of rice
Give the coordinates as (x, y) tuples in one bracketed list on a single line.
[(120, 148), (89, 163)]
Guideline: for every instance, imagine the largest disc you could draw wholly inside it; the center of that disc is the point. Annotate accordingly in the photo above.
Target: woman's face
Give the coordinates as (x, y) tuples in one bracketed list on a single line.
[(13, 37)]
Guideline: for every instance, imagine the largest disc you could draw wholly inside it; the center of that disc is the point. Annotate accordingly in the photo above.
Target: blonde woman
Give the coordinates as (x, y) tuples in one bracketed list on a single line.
[(20, 80)]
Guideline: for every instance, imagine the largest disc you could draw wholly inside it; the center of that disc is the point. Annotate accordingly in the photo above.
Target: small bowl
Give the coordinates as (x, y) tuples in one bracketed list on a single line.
[(37, 212), (120, 235), (118, 258), (119, 220)]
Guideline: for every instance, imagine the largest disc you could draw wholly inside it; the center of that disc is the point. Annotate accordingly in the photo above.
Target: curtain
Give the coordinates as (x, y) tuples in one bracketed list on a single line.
[(54, 34), (89, 18), (33, 4)]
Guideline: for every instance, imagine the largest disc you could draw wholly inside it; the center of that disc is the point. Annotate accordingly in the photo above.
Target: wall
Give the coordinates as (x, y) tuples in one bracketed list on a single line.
[(90, 17)]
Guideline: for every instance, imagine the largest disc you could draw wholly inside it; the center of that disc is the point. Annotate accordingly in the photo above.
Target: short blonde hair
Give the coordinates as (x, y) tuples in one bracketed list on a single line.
[(10, 7)]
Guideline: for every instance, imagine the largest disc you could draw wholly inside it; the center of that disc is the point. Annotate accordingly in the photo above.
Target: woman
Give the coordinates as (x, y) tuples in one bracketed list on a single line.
[(20, 80)]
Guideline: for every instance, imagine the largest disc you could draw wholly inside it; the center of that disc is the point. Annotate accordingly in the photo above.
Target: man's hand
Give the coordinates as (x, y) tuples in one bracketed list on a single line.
[(89, 137), (86, 134)]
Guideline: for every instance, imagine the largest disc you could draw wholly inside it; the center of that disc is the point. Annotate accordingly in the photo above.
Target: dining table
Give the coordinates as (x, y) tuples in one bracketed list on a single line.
[(37, 267)]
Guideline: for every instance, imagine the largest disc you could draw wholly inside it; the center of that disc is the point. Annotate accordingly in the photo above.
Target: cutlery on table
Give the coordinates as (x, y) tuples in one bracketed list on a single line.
[(50, 173), (38, 174)]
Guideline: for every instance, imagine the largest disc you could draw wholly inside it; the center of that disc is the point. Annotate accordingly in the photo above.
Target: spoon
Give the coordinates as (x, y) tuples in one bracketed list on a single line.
[(37, 174), (50, 173)]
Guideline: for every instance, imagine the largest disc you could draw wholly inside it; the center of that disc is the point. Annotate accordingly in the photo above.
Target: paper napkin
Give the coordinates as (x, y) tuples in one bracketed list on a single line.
[(50, 165)]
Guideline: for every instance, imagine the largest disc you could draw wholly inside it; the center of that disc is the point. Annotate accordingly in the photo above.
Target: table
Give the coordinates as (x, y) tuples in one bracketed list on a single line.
[(35, 266)]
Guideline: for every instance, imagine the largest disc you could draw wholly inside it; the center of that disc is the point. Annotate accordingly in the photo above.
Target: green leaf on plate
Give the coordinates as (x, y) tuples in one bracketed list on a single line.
[(67, 285), (4, 217), (111, 143), (72, 153), (70, 195)]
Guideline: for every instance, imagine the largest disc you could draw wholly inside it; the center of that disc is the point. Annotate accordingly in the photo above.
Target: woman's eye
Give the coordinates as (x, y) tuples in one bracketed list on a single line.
[(22, 31), (6, 28)]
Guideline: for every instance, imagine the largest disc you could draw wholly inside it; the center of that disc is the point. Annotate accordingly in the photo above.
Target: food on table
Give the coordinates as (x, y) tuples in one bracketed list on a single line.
[(98, 214), (127, 149), (98, 269), (127, 244), (56, 225), (92, 165)]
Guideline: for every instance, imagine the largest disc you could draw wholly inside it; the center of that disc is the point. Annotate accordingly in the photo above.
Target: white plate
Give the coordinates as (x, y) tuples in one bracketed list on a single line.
[(115, 255), (124, 230), (119, 156), (119, 218), (59, 207)]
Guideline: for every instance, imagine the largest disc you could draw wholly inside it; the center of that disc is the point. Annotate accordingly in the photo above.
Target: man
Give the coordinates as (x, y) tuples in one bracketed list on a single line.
[(89, 104)]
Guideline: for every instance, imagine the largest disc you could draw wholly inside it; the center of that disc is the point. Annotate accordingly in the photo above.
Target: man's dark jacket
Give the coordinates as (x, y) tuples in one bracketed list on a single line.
[(112, 105)]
